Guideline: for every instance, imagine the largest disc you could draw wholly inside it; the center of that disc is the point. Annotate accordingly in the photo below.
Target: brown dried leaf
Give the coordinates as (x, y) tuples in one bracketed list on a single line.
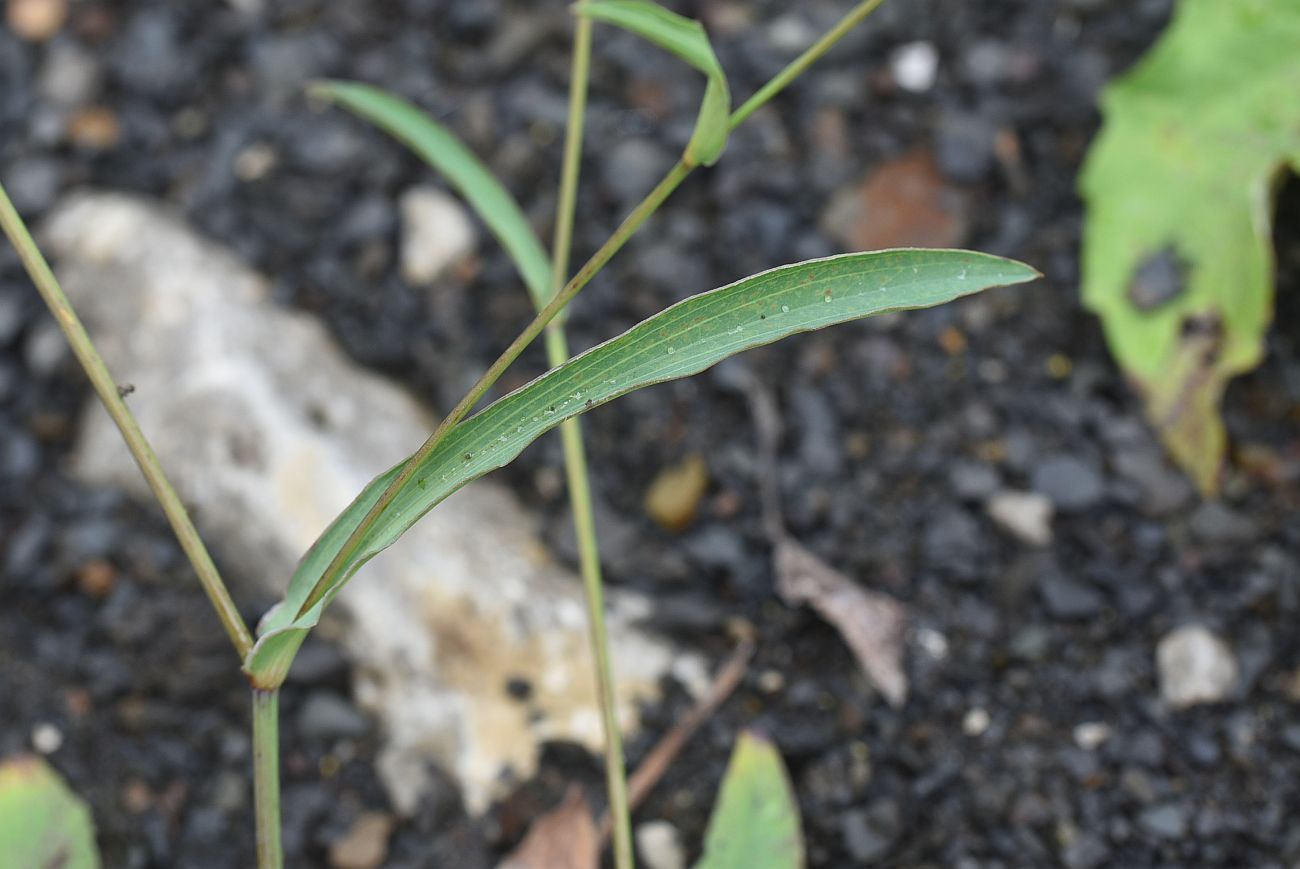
[(903, 203), (871, 623), (563, 838)]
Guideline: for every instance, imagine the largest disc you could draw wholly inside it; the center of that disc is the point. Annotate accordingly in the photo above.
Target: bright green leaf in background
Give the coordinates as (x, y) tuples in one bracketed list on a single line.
[(436, 145), (677, 342), (1179, 186), (687, 40), (43, 824), (755, 822)]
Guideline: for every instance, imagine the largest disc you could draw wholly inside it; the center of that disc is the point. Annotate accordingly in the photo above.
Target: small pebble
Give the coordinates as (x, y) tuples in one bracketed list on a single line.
[(869, 834), (95, 129), (1091, 734), (771, 681), (95, 579), (1026, 515), (932, 643), (1195, 666), (36, 20), (436, 233), (674, 496), (46, 348), (365, 845), (660, 845), (46, 738), (1070, 482), (1167, 821), (915, 66), (255, 161), (326, 715), (976, 722), (1066, 599)]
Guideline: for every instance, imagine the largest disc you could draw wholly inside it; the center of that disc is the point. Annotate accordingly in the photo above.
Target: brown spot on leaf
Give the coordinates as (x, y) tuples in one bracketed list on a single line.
[(1158, 280)]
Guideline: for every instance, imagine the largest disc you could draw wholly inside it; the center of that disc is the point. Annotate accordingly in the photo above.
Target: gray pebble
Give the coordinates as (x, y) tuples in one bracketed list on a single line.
[(326, 715), (633, 168), (1067, 599), (973, 481), (1217, 524), (32, 183), (870, 833), (1070, 482), (45, 349), (963, 145), (70, 76), (1166, 821)]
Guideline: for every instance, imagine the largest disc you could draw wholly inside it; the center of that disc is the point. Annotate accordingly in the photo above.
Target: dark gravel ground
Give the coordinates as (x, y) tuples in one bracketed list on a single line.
[(896, 432)]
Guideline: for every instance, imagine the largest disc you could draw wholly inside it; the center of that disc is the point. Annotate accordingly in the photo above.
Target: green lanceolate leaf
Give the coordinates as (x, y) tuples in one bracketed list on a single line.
[(42, 823), (687, 40), (755, 822), (1177, 254), (677, 342), (438, 147)]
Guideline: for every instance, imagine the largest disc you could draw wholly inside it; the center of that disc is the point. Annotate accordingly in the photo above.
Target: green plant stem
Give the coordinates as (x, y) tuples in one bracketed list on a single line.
[(801, 63), (106, 388), (647, 207), (266, 777), (575, 460)]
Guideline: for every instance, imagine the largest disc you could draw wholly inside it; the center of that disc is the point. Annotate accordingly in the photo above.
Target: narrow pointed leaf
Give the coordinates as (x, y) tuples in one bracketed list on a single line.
[(438, 147), (686, 39), (677, 342), (755, 821)]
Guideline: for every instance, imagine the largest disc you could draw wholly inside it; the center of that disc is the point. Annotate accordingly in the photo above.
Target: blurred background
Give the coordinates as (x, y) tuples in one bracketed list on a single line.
[(984, 464)]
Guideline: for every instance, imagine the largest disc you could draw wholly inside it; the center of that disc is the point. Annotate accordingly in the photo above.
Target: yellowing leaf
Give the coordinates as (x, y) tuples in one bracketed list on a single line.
[(43, 824), (1177, 258), (755, 822)]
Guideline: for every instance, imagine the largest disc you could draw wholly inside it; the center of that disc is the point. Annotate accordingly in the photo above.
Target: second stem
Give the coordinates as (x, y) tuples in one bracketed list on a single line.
[(575, 459)]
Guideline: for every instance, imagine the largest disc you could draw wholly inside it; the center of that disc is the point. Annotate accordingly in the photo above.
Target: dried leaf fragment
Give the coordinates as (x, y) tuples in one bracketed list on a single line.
[(563, 838), (871, 623)]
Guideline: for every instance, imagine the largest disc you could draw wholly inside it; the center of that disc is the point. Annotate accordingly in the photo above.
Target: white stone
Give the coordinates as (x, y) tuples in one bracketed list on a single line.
[(1091, 734), (791, 33), (1025, 515), (268, 430), (933, 643), (1195, 666), (436, 233), (660, 845), (46, 738), (976, 722), (915, 66)]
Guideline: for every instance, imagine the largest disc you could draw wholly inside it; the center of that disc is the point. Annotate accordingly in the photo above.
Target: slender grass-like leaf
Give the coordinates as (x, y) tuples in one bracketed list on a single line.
[(438, 147), (686, 39), (677, 342), (755, 821)]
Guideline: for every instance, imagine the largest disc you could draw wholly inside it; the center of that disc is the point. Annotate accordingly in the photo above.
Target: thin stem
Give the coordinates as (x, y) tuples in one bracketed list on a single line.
[(575, 458), (648, 206), (266, 777), (801, 63), (566, 207), (106, 388)]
